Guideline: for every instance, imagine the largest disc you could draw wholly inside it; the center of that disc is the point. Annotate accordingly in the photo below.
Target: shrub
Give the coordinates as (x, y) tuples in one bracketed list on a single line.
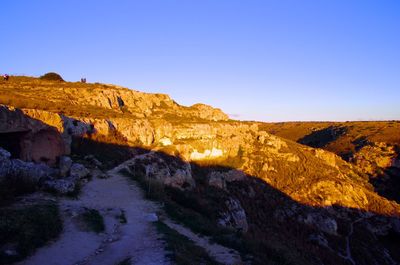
[(52, 77), (14, 186), (28, 228), (93, 220)]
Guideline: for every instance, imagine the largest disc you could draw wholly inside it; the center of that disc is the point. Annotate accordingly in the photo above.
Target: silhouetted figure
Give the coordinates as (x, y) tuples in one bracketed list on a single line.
[(6, 77), (83, 80)]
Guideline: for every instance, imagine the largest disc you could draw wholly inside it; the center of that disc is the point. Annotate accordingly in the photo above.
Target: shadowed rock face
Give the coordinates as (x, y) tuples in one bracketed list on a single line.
[(29, 139)]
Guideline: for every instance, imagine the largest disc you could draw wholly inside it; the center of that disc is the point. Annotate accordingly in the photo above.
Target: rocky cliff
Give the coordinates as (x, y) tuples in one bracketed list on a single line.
[(239, 174)]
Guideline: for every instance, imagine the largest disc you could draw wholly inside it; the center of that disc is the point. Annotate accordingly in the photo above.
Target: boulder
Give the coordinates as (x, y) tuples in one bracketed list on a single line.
[(4, 153), (152, 217), (31, 171), (65, 165), (322, 223), (78, 171), (62, 186), (97, 173), (5, 163), (170, 171), (92, 159)]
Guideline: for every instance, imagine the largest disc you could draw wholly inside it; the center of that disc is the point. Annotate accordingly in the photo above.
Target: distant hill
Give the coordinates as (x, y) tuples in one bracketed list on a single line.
[(372, 146)]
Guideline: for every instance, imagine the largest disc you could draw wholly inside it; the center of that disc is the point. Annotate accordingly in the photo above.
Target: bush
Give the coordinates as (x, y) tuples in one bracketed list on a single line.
[(14, 186), (52, 77), (93, 220), (28, 229)]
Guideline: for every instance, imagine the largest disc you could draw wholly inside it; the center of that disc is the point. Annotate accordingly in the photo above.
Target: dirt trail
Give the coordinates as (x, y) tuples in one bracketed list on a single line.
[(220, 253), (137, 239)]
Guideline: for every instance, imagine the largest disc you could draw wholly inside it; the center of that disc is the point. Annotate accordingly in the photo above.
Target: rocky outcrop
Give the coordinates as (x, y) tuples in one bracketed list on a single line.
[(29, 139), (220, 179), (207, 112), (40, 175), (78, 171), (312, 176), (65, 165), (62, 186), (234, 216), (375, 158), (164, 169), (27, 172)]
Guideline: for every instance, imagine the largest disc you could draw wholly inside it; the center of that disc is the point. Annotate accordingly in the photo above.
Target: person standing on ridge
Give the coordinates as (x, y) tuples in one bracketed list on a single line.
[(6, 77)]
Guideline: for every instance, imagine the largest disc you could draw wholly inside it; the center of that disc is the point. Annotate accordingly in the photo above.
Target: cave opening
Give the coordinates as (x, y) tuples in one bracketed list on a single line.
[(11, 141)]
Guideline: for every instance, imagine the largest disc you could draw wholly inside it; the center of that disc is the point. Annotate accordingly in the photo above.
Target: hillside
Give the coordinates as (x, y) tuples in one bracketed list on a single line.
[(373, 146), (274, 200)]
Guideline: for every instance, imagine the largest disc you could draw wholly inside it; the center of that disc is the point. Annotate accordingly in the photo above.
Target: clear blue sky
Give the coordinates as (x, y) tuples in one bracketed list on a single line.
[(262, 60)]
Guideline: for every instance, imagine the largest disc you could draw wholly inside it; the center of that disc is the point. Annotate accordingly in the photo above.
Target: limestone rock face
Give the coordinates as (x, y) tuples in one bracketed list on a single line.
[(234, 216), (167, 170), (30, 139), (376, 156), (208, 113)]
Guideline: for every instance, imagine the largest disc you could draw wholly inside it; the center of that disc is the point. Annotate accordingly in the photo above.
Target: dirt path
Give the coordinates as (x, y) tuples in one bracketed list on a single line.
[(348, 255), (137, 239), (219, 253)]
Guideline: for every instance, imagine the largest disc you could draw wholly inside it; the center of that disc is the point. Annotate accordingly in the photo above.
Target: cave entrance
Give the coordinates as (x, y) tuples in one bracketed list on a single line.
[(11, 141)]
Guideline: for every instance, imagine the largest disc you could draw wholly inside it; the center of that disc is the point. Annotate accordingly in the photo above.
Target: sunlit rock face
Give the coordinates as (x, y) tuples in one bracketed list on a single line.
[(376, 156), (163, 169), (207, 154)]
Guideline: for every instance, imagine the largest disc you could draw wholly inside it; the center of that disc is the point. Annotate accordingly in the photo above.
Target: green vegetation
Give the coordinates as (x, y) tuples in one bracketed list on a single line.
[(183, 250), (28, 228), (93, 220)]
